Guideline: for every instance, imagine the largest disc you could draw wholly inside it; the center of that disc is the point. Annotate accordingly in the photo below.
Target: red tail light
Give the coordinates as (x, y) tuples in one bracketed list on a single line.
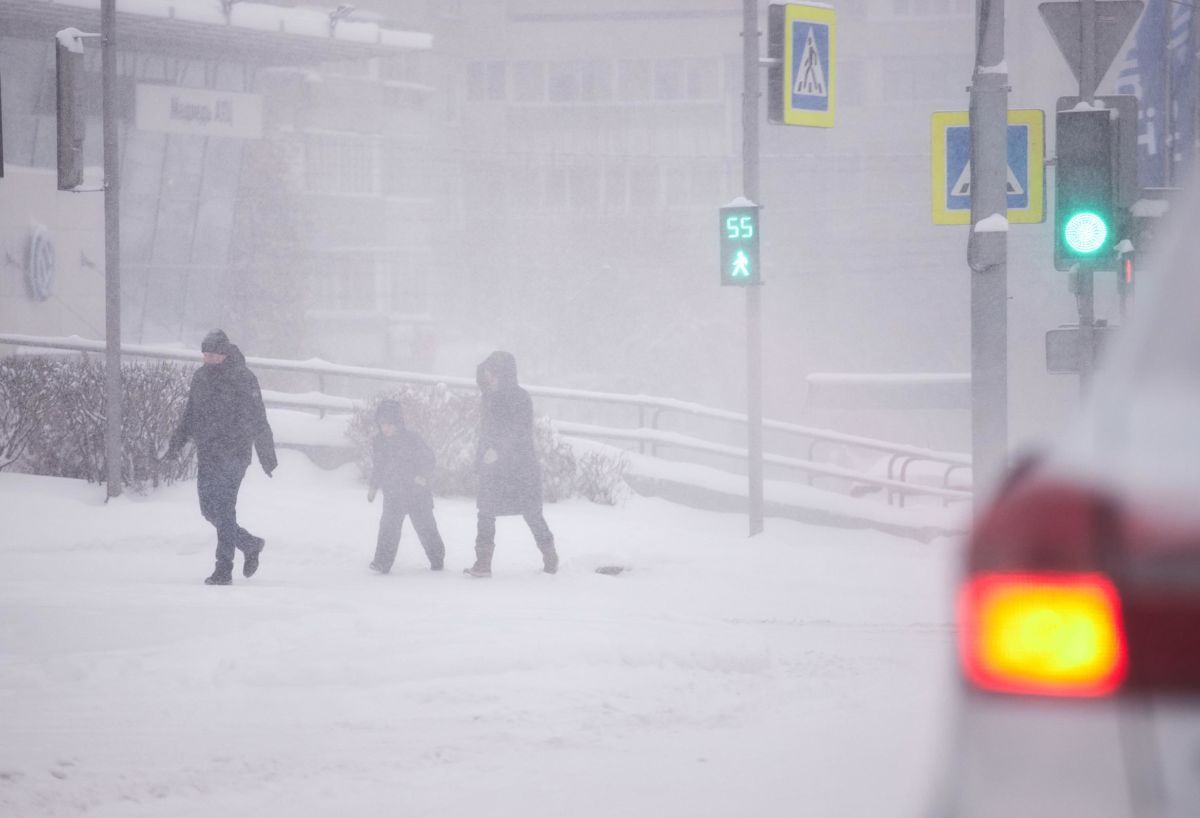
[(1042, 634)]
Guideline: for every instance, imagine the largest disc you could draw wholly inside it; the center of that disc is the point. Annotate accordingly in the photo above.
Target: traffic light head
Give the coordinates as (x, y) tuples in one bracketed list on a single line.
[(1085, 189), (69, 98), (739, 245)]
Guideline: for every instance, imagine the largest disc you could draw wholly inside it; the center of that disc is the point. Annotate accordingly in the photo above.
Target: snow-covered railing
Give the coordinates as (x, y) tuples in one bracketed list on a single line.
[(646, 434), (812, 468)]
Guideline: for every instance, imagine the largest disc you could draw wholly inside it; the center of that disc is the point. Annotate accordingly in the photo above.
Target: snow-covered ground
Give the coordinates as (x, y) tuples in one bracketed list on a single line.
[(802, 672)]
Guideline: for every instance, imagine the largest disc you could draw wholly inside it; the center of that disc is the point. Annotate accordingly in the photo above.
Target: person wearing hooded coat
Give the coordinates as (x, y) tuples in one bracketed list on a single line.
[(510, 478), (402, 466), (225, 417)]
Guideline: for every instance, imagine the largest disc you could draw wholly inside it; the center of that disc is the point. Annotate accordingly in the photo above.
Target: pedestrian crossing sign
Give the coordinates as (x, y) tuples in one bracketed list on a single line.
[(803, 82), (951, 166)]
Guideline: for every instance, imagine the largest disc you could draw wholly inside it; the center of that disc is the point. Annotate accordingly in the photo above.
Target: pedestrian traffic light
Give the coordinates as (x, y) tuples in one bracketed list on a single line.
[(739, 244), (68, 46), (1086, 224)]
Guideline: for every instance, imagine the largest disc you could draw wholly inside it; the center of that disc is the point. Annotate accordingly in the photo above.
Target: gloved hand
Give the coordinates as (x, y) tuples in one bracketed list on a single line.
[(490, 457), (371, 496)]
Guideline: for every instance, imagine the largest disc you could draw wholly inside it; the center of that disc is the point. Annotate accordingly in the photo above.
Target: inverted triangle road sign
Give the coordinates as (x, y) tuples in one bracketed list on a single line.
[(1114, 20)]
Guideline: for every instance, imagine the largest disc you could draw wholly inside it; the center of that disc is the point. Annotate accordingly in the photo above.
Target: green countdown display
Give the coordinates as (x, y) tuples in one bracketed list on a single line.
[(739, 246)]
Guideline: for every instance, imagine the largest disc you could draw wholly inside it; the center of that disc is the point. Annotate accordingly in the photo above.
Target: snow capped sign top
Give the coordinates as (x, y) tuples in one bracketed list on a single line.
[(1114, 20)]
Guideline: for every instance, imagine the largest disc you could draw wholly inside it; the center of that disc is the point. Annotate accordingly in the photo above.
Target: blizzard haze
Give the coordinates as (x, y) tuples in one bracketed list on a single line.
[(695, 684)]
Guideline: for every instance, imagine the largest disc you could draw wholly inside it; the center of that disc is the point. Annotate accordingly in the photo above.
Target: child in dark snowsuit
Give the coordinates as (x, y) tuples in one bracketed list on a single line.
[(402, 466)]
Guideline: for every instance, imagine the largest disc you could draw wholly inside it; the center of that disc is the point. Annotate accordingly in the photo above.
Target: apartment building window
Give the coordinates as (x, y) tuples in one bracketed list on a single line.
[(405, 170), (703, 78), (616, 194), (339, 163), (668, 80), (708, 182), (596, 81), (564, 81), (556, 188), (634, 79), (585, 187), (529, 81), (524, 187), (928, 8), (643, 185), (345, 281), (408, 67), (486, 80), (923, 79), (851, 85)]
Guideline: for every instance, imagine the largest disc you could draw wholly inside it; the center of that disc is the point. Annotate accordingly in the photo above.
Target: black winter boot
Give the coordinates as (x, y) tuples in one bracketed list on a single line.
[(222, 574), (549, 557), (483, 561), (254, 547)]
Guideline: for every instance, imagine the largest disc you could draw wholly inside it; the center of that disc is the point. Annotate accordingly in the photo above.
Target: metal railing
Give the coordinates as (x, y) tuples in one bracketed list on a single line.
[(647, 435)]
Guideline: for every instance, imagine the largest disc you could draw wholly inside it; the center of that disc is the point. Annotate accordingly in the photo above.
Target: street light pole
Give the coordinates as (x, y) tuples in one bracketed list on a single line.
[(112, 249)]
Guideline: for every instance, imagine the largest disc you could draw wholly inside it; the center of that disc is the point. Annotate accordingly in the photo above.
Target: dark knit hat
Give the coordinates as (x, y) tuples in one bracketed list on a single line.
[(390, 411), (216, 341)]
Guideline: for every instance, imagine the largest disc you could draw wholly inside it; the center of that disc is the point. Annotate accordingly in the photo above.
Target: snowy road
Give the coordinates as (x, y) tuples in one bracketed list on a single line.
[(805, 672)]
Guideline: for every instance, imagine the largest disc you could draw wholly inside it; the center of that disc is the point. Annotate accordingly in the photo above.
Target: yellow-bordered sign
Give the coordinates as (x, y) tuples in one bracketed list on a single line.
[(809, 69), (951, 150)]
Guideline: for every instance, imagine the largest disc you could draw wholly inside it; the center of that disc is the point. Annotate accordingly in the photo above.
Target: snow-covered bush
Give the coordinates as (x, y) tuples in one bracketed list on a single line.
[(558, 462), (24, 401), (600, 476), (64, 399), (449, 423)]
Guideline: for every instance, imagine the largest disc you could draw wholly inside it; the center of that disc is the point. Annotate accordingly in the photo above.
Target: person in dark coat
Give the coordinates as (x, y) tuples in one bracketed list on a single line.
[(225, 417), (402, 466), (510, 478)]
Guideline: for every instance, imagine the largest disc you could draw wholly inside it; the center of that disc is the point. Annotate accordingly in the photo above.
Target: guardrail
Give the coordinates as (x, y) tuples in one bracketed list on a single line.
[(646, 435)]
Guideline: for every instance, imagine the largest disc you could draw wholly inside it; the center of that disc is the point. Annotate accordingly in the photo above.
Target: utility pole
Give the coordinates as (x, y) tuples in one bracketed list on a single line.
[(987, 251), (112, 248), (754, 414)]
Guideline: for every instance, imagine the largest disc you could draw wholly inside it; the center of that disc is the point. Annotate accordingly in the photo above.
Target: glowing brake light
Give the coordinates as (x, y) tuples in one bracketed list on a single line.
[(1042, 634)]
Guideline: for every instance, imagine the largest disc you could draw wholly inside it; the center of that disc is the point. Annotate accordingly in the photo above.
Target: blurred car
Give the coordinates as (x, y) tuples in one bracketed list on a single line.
[(1079, 603)]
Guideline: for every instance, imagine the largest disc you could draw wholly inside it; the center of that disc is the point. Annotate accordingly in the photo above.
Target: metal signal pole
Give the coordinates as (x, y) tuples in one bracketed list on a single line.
[(112, 249), (987, 251), (754, 413)]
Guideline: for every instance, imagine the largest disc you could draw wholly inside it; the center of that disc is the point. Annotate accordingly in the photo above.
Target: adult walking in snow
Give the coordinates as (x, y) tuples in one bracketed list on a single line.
[(510, 478), (225, 416)]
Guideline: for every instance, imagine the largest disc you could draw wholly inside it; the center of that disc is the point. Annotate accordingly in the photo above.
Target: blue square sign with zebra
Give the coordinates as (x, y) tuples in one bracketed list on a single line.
[(809, 65)]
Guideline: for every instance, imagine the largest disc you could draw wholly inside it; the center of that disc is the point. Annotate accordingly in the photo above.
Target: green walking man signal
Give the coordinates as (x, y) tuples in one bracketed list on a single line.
[(739, 244)]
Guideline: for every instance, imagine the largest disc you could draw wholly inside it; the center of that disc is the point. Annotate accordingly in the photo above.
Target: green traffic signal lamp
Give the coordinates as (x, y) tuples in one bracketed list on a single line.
[(739, 244), (1085, 232), (1085, 189)]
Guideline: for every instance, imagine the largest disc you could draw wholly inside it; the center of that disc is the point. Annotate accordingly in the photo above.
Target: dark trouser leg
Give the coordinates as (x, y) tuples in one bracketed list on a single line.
[(544, 539), (218, 485), (430, 537), (388, 541), (246, 541), (485, 541)]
